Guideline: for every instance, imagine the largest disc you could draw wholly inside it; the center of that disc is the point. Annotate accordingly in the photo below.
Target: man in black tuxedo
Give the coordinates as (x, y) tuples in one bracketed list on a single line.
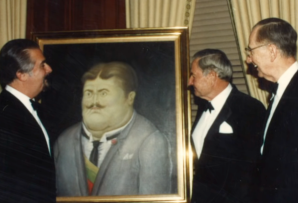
[(272, 50), (27, 172), (226, 134)]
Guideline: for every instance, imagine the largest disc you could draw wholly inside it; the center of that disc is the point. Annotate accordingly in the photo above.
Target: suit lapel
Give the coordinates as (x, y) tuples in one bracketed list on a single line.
[(285, 105), (14, 103), (214, 129), (104, 166), (223, 115), (80, 168), (284, 100), (17, 109)]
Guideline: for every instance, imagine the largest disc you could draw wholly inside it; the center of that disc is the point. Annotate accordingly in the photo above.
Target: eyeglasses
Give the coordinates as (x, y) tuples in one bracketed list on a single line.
[(248, 49)]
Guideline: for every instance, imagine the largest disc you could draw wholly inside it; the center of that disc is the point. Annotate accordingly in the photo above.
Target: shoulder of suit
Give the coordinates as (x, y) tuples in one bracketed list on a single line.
[(144, 127), (292, 89), (7, 107), (4, 103), (9, 102), (241, 99), (141, 121), (71, 131)]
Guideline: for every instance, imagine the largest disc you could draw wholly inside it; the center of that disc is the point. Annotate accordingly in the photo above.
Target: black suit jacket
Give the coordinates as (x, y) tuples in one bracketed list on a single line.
[(27, 172), (226, 168), (279, 163)]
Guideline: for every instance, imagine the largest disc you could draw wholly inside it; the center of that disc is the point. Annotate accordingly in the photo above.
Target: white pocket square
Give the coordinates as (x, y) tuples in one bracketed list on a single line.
[(127, 156), (225, 128)]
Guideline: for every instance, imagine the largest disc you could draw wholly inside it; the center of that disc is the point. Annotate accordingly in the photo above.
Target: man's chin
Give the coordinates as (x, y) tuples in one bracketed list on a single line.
[(95, 126), (260, 74), (197, 94), (93, 119)]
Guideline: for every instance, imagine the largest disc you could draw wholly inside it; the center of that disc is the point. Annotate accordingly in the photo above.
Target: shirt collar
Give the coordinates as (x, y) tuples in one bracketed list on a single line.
[(106, 135), (218, 101), (285, 79), (20, 96)]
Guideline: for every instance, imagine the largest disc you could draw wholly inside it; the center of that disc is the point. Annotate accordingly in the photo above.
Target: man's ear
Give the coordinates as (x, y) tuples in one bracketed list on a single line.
[(22, 76), (212, 75), (131, 97), (273, 51)]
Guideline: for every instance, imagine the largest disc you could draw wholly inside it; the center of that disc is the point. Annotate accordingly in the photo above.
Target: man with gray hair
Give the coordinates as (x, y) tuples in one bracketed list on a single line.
[(226, 134), (114, 150)]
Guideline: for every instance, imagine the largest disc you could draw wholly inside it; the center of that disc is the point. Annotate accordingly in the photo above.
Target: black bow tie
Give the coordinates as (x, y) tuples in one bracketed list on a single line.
[(34, 104), (208, 106), (274, 87)]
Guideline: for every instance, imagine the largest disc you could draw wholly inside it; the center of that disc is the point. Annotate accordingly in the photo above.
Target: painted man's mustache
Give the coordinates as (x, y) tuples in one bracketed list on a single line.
[(95, 105)]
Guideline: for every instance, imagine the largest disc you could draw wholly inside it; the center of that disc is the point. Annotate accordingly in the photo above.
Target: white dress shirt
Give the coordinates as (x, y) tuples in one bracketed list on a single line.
[(208, 118), (283, 82), (105, 143), (26, 102)]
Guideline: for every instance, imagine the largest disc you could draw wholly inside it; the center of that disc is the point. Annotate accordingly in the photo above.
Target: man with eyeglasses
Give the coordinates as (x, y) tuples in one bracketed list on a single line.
[(272, 50)]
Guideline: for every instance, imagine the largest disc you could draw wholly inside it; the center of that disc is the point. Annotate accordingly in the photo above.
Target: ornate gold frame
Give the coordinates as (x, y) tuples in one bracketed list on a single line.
[(179, 36)]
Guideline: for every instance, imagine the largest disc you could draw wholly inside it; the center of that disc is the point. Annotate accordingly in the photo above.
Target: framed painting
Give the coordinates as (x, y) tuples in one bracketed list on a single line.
[(152, 162)]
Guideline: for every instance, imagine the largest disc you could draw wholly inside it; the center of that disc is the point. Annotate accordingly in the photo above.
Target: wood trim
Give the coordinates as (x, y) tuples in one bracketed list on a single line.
[(74, 15)]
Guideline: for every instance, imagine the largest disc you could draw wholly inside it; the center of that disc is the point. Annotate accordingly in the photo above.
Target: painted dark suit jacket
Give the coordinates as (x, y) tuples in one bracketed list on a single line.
[(27, 172), (279, 163), (226, 168), (138, 164)]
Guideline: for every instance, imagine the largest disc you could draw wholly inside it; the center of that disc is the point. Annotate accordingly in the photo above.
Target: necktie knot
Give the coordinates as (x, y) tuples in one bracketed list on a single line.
[(94, 153), (35, 105), (208, 106), (95, 144)]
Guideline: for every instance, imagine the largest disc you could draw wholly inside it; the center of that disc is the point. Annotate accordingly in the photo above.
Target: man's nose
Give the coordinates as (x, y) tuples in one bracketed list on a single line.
[(97, 99), (48, 69)]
